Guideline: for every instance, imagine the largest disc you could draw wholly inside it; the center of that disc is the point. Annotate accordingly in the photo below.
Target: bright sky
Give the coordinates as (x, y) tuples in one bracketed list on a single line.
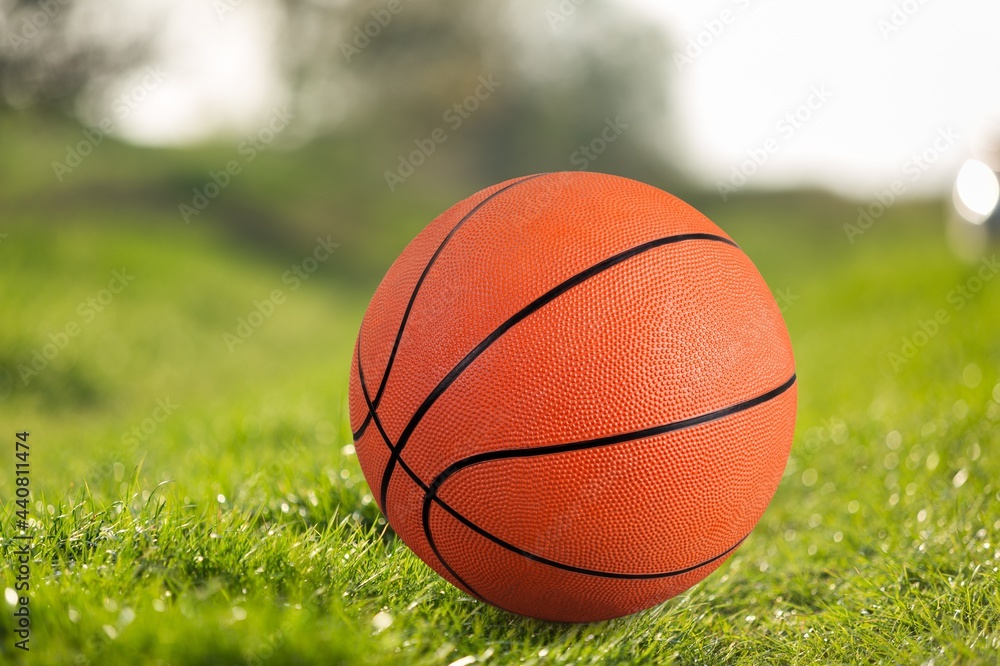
[(886, 80)]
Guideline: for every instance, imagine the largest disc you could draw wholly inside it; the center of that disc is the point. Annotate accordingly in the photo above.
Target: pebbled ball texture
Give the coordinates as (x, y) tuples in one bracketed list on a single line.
[(573, 396)]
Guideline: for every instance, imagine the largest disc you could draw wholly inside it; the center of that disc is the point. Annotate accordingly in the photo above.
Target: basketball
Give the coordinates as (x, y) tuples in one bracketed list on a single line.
[(573, 396)]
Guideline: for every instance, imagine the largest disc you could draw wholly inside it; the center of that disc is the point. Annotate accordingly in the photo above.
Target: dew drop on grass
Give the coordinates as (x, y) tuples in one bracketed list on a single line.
[(809, 477), (922, 515), (159, 606), (838, 537), (853, 506), (932, 460), (220, 498), (381, 621), (960, 478), (893, 440), (10, 596), (996, 393), (443, 651), (972, 375)]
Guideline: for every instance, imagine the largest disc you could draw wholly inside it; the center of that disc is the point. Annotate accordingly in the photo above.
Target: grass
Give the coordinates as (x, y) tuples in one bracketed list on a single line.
[(238, 529)]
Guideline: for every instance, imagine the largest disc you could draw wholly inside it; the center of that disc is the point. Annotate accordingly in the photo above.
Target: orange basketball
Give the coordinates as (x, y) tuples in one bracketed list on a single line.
[(573, 396)]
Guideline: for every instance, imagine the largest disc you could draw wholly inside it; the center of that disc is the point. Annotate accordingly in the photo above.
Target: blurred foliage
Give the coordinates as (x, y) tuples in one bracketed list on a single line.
[(54, 51), (564, 70), (388, 73)]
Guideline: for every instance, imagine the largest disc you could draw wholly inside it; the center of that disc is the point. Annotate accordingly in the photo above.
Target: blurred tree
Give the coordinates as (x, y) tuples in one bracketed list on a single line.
[(513, 86), (51, 51), (573, 83)]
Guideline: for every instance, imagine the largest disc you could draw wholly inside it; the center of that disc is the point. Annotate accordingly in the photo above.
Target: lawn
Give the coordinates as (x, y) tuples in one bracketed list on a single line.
[(196, 500)]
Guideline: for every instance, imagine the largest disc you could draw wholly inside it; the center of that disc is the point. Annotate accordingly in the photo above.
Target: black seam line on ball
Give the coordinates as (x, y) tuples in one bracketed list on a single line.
[(375, 418), (432, 490), (419, 482), (552, 563), (413, 297), (517, 317), (426, 518), (412, 475)]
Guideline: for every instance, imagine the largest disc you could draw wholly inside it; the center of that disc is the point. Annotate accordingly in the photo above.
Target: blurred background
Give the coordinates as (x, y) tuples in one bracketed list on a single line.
[(258, 126), (369, 117), (197, 199)]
